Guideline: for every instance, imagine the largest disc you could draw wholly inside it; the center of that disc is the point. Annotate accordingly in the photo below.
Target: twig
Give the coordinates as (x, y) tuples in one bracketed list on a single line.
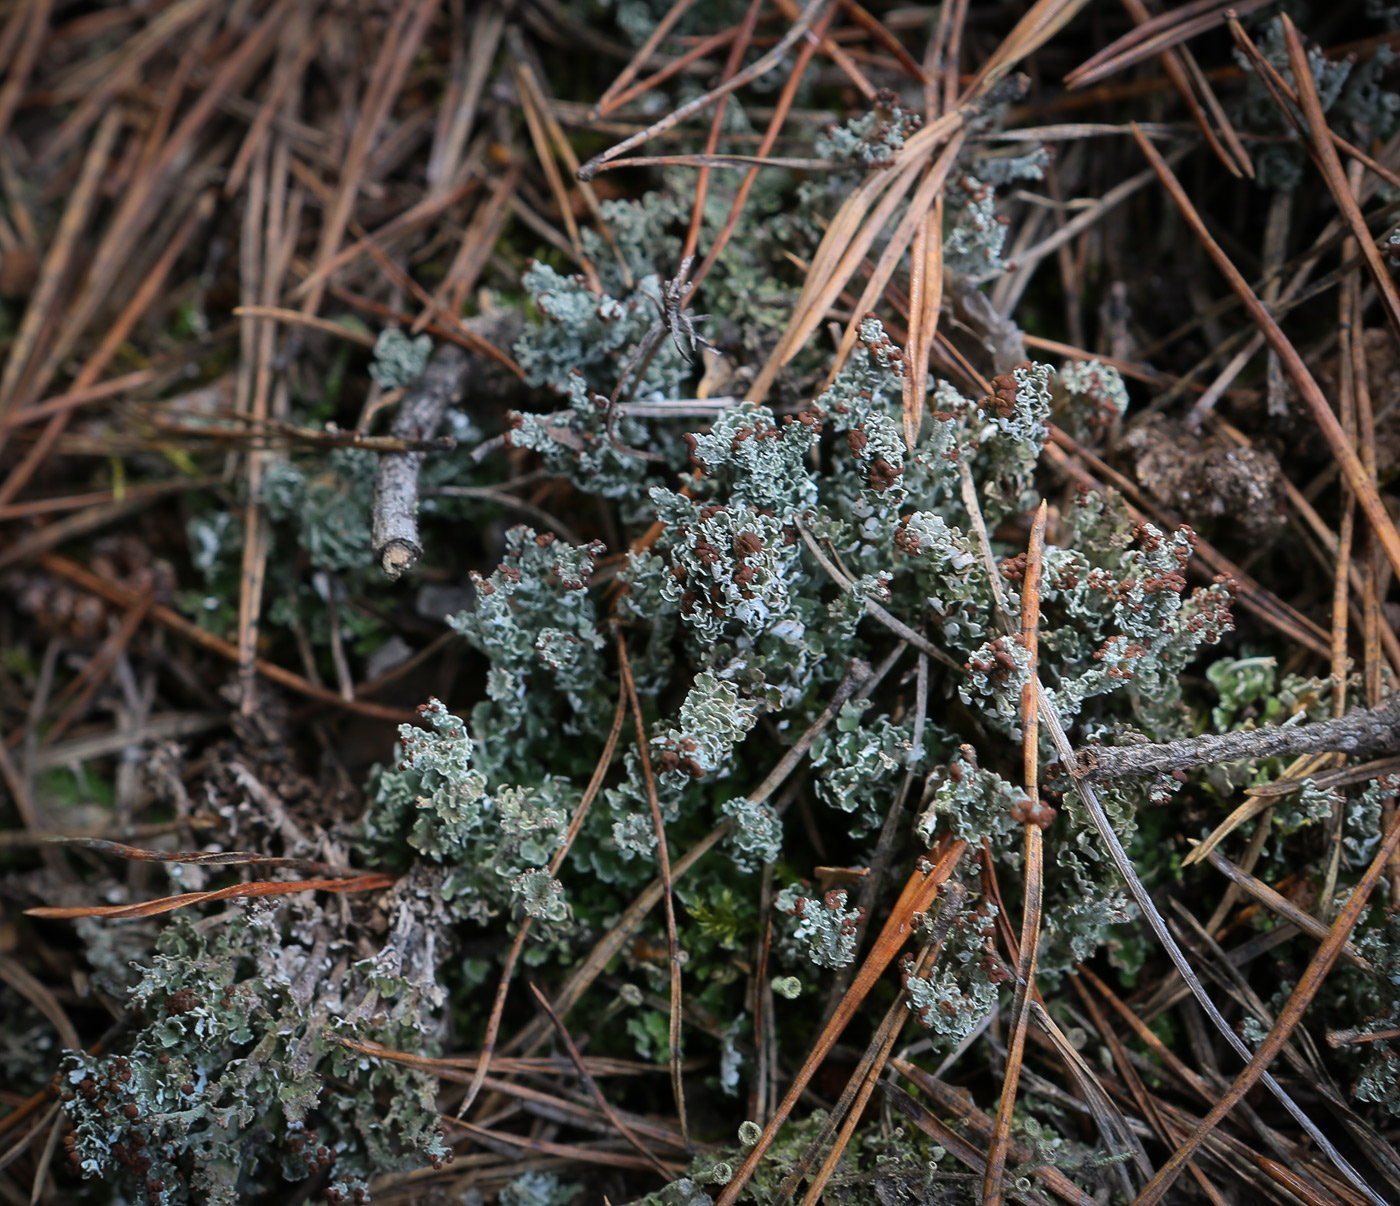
[(394, 511), (1361, 731)]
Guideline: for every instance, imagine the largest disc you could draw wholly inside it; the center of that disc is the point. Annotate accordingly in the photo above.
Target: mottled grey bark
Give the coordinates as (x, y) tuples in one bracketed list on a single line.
[(1363, 731), (394, 511)]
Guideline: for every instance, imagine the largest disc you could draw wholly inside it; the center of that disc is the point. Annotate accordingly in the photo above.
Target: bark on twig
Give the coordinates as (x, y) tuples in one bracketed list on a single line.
[(1362, 731), (394, 512)]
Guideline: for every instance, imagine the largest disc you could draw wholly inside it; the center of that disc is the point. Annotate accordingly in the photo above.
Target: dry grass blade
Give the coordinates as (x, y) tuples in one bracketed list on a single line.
[(416, 216), (224, 858), (38, 313), (111, 343), (1288, 1018), (493, 1023), (533, 105), (663, 859), (1350, 464), (674, 67), (957, 1103), (575, 1153), (1325, 153), (1146, 1103), (884, 38), (1279, 904), (478, 242), (770, 137), (862, 218), (925, 305), (611, 97), (1041, 22), (918, 896), (167, 904), (737, 51), (1124, 865), (1159, 34), (834, 52), (169, 618), (1114, 1129), (17, 977), (459, 109), (592, 1085), (1187, 79), (851, 1104), (1036, 818), (28, 26), (296, 318), (400, 45), (753, 71), (450, 1066)]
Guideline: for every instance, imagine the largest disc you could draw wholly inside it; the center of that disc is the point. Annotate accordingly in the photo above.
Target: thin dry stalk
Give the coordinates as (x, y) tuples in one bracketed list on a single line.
[(33, 18), (493, 1023), (753, 71), (1279, 904), (401, 43), (737, 50), (1119, 856), (297, 51), (252, 400), (918, 896), (478, 242), (1325, 154), (169, 618), (862, 1082), (1352, 469), (592, 1085), (1283, 90), (533, 105), (1145, 1102), (167, 904), (770, 137), (427, 210), (862, 217), (958, 1103), (663, 859), (1035, 820), (116, 335), (610, 98), (925, 306), (38, 313), (458, 112), (675, 66), (1157, 35), (834, 52), (497, 1140), (295, 318), (1287, 1021)]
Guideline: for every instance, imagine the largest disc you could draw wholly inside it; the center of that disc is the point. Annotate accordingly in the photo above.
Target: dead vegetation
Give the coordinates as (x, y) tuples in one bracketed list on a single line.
[(209, 211)]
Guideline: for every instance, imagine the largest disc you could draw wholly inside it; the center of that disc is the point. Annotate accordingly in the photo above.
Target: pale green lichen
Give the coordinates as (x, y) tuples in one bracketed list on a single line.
[(398, 360)]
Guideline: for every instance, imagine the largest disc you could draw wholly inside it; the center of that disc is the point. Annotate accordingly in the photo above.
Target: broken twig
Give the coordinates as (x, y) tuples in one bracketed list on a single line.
[(394, 511), (1361, 731)]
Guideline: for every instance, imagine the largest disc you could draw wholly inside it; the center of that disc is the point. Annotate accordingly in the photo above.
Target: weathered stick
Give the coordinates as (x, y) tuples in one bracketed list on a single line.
[(1361, 731), (394, 512)]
